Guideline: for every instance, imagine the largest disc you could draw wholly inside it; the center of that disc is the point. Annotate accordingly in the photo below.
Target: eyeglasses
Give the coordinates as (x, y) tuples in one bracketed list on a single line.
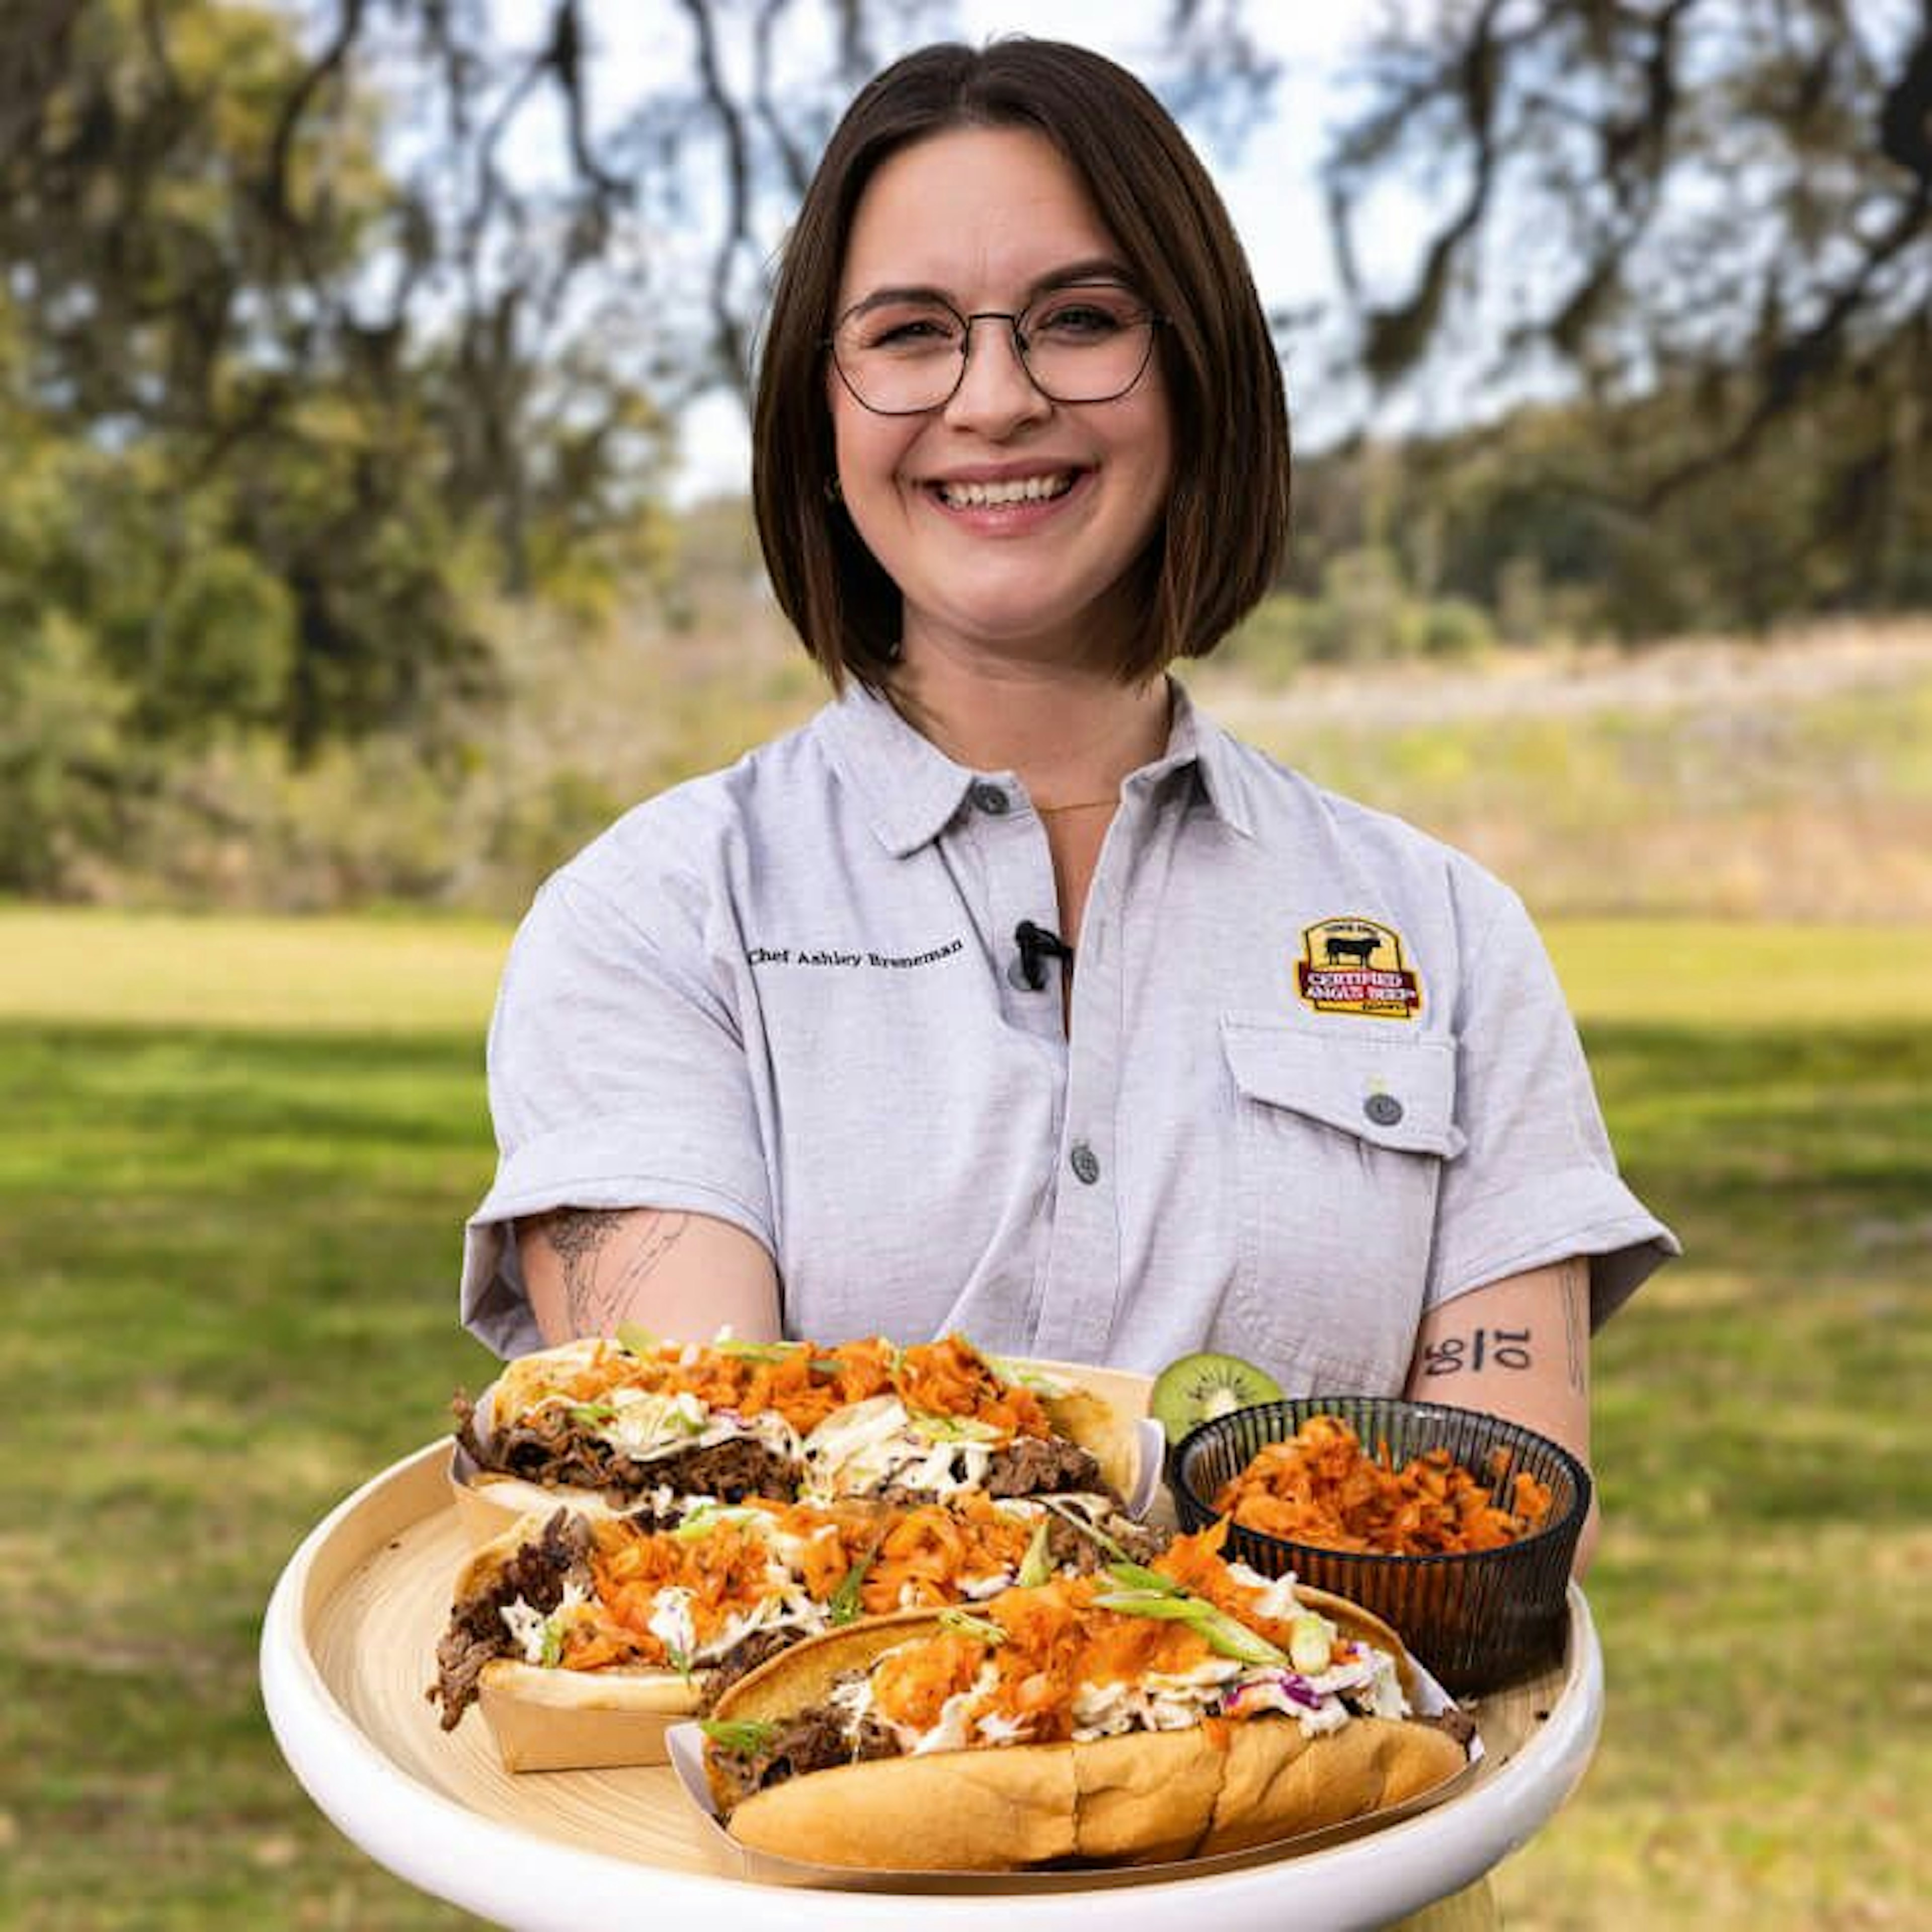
[(901, 355)]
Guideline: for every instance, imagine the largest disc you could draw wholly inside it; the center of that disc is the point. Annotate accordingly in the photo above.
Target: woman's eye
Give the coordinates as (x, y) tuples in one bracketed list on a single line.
[(917, 331), (1074, 320)]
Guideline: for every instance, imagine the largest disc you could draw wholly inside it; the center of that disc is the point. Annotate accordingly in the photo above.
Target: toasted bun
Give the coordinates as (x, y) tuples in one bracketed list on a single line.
[(1144, 1797), (1105, 1433), (526, 1377), (489, 1506), (581, 1720)]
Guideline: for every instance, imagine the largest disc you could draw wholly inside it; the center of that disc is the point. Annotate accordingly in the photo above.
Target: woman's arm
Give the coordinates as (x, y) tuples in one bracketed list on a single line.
[(1518, 1347), (682, 1276)]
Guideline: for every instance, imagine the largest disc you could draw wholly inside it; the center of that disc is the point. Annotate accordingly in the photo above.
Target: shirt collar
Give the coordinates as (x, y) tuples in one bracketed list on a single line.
[(1193, 739), (910, 791), (908, 787)]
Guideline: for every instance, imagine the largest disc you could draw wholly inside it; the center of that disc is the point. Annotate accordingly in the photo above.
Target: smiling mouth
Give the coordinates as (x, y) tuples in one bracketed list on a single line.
[(1016, 490)]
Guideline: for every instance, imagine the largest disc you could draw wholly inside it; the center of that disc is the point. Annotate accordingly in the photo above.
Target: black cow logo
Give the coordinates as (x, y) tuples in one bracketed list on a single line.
[(1334, 949)]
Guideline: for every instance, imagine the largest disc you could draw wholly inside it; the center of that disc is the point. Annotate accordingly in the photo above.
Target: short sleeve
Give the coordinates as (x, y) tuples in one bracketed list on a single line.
[(1536, 1181), (618, 1078)]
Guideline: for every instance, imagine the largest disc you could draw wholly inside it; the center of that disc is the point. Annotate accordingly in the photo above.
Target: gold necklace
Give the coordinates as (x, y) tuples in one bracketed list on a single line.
[(1081, 805)]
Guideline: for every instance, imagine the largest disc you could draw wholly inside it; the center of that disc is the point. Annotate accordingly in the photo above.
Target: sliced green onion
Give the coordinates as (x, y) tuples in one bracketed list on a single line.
[(1149, 1603), (760, 1351), (953, 1428), (744, 1737), (638, 1341), (966, 1625), (1092, 1531), (1136, 1577), (1037, 1566), (706, 1517), (846, 1605), (1010, 1372), (552, 1654), (1221, 1632), (589, 1413), (1310, 1638)]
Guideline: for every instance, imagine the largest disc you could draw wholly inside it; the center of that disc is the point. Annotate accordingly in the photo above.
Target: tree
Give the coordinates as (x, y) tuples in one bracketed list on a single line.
[(1726, 204), (379, 297)]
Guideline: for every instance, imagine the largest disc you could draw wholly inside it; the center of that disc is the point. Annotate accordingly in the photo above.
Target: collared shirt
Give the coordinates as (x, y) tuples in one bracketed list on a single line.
[(1319, 1075)]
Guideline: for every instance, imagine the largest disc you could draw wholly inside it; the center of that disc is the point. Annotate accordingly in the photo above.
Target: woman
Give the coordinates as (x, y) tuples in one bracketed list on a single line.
[(1010, 995)]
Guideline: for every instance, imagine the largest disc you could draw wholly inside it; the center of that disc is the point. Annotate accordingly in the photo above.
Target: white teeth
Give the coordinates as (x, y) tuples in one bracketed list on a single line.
[(1020, 489)]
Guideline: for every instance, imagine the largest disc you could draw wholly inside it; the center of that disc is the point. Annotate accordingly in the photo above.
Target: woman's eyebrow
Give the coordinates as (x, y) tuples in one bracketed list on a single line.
[(1094, 269)]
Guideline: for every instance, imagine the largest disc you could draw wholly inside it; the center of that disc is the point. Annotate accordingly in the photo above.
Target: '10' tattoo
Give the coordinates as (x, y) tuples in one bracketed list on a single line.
[(1507, 1347)]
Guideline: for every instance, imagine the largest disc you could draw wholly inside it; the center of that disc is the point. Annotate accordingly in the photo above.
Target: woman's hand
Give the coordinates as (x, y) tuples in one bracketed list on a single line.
[(1518, 1348), (681, 1276)]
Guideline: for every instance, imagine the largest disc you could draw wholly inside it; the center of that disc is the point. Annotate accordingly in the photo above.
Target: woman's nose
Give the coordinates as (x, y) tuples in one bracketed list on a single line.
[(996, 395)]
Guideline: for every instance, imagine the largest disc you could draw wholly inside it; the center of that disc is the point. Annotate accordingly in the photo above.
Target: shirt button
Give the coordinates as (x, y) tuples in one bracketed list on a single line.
[(990, 799), (1086, 1165), (1385, 1109)]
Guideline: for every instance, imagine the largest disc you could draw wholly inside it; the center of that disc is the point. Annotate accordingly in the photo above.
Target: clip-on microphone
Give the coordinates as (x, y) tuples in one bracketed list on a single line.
[(1037, 945)]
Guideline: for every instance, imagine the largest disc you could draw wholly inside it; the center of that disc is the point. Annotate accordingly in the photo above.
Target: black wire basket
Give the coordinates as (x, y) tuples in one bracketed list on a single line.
[(1475, 1620)]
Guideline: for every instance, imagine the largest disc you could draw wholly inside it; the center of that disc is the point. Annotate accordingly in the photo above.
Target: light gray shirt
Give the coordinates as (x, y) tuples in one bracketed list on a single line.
[(1319, 1076)]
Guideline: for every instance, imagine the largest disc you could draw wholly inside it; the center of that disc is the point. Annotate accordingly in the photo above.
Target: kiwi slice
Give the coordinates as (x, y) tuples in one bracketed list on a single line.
[(1197, 1388)]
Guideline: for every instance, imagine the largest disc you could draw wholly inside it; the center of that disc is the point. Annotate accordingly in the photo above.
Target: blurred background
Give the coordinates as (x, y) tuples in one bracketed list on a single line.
[(373, 530)]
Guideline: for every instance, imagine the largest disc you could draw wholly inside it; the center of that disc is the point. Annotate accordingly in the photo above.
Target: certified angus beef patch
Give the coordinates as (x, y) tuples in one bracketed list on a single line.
[(1353, 965)]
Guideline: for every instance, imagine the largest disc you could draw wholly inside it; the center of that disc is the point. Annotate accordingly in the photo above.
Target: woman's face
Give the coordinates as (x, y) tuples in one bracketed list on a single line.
[(991, 219)]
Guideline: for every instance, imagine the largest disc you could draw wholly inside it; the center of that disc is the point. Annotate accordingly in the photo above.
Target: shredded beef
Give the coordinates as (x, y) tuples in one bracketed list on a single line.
[(759, 1648), (1068, 1548), (537, 1573), (811, 1740), (730, 1472), (550, 1448), (1043, 1466), (464, 1411), (1459, 1724), (655, 1518)]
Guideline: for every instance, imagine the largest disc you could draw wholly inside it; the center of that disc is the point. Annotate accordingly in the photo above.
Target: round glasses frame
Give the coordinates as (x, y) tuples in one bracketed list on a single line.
[(1149, 319)]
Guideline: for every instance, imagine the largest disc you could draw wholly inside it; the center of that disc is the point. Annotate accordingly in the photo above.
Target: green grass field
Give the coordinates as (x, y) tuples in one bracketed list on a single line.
[(234, 1155)]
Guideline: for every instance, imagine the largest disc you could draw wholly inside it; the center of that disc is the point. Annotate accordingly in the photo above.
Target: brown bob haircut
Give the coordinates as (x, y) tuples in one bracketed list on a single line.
[(1216, 551)]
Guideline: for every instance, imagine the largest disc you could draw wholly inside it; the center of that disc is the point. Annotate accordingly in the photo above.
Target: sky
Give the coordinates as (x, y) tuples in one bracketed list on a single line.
[(1270, 189)]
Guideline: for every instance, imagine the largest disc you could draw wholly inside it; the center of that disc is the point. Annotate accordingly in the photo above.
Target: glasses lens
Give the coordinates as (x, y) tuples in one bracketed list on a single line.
[(901, 357), (1087, 344)]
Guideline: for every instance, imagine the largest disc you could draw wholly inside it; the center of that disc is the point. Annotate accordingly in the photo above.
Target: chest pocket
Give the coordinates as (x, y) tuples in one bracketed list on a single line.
[(1341, 1141)]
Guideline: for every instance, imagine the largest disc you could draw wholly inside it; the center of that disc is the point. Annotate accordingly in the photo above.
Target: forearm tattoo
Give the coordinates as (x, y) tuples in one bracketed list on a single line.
[(1576, 1320), (1500, 1347), (597, 1295), (1480, 1348)]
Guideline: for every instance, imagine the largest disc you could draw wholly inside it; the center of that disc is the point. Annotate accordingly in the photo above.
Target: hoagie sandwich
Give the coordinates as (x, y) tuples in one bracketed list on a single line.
[(1149, 1712), (578, 1613), (631, 1422)]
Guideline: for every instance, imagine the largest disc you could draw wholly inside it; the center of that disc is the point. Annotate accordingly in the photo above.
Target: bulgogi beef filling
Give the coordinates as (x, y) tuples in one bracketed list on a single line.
[(655, 1518), (812, 1740), (537, 1573), (1044, 1465), (1459, 1724), (729, 1471), (552, 1449), (1069, 1547), (760, 1647)]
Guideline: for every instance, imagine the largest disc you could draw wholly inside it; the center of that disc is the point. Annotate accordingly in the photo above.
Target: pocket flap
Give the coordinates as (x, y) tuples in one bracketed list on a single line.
[(1393, 1093)]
